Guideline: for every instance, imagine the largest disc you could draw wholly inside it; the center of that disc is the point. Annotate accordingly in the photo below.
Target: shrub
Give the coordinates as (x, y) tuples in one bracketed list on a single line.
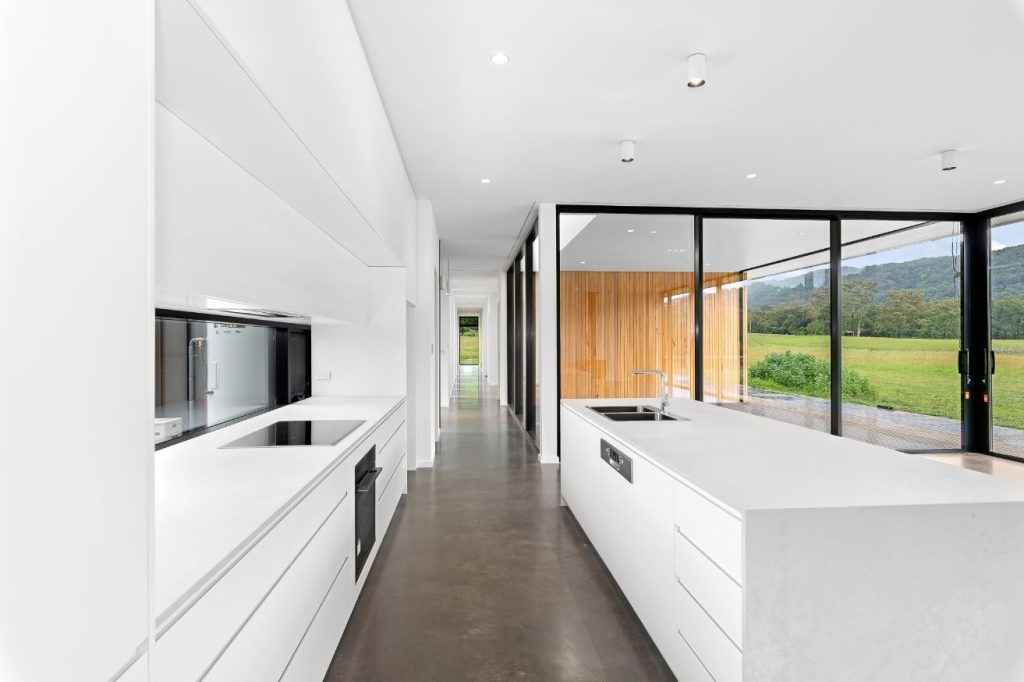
[(807, 375)]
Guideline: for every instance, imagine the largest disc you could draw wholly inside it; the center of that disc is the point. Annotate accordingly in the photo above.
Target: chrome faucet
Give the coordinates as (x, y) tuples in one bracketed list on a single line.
[(664, 384)]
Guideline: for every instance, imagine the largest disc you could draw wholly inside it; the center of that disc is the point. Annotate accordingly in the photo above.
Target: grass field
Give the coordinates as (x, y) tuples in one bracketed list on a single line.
[(915, 375), (469, 350)]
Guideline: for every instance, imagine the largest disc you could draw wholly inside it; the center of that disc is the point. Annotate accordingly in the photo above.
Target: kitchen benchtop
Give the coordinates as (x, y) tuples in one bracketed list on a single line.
[(212, 503), (746, 462)]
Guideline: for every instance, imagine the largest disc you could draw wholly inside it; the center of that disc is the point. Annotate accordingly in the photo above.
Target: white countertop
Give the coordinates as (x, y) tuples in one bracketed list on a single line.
[(210, 503), (746, 462)]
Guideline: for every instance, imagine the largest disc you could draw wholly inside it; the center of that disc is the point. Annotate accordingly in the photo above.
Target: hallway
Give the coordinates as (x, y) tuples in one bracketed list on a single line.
[(483, 576)]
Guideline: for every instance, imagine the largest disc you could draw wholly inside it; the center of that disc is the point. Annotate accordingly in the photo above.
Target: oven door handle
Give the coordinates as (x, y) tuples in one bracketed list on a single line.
[(368, 479)]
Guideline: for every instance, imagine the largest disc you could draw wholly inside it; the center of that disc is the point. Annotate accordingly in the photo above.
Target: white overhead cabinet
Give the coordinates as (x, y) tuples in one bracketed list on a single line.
[(757, 550), (278, 179)]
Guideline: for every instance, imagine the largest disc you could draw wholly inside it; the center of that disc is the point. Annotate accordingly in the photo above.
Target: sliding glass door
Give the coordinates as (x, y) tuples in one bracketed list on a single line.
[(1007, 284), (902, 328)]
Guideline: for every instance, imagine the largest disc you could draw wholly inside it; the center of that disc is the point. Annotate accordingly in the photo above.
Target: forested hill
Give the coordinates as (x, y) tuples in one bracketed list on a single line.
[(932, 276)]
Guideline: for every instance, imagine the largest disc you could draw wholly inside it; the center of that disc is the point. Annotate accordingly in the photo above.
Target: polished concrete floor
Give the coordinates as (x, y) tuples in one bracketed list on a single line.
[(483, 576)]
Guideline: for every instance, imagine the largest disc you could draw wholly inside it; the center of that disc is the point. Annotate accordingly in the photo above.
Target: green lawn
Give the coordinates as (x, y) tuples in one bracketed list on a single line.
[(469, 350), (915, 375)]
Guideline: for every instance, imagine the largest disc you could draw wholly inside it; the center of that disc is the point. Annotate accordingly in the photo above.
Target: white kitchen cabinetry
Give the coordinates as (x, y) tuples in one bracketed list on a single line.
[(279, 605), (755, 550)]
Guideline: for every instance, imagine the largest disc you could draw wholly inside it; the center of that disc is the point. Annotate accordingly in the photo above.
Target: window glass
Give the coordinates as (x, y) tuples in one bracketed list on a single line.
[(210, 372), (1007, 282), (901, 334), (767, 318), (626, 296)]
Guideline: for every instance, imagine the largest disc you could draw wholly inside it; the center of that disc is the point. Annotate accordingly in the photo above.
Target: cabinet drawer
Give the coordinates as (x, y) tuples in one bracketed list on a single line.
[(716, 532), (316, 651), (711, 587), (263, 648), (189, 645), (382, 434), (721, 658), (388, 457)]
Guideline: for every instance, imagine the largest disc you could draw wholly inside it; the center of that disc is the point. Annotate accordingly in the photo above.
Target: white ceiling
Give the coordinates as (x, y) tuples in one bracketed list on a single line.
[(833, 103)]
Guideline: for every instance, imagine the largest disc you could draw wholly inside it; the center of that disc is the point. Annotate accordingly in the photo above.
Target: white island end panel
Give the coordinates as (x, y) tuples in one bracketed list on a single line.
[(926, 592)]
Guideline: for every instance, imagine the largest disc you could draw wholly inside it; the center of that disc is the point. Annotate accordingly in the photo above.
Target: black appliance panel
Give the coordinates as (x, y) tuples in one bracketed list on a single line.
[(366, 473)]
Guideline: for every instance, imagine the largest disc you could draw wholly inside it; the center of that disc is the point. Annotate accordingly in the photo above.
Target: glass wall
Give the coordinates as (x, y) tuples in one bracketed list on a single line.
[(523, 360), (531, 293), (767, 318), (902, 328), (1007, 285), (626, 287)]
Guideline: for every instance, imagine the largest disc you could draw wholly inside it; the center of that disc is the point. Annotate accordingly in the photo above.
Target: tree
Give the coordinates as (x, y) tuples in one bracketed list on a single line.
[(901, 314), (941, 320), (1008, 318), (857, 304)]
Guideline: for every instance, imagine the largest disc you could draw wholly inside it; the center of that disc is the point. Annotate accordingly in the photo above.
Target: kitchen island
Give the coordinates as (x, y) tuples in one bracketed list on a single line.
[(757, 550), (255, 572)]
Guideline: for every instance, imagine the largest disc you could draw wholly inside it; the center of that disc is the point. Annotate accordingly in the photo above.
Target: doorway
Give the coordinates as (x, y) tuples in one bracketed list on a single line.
[(469, 340)]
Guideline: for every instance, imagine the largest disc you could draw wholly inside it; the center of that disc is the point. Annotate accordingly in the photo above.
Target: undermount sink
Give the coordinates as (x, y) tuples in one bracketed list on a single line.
[(603, 409), (634, 413), (651, 416)]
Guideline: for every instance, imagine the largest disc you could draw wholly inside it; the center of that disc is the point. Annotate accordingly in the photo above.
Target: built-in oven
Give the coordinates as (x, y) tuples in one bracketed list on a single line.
[(366, 473)]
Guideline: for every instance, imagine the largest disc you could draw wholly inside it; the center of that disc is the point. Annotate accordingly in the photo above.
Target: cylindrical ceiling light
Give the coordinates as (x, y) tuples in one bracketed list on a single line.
[(949, 160), (697, 65), (628, 151)]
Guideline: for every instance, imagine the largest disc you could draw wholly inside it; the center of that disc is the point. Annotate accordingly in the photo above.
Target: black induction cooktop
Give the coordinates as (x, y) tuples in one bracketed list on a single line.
[(284, 433)]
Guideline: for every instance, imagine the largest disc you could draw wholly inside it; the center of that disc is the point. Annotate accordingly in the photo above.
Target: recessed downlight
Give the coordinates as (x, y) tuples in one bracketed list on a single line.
[(583, 262), (485, 181), (499, 58), (999, 182), (751, 176), (654, 232), (631, 230)]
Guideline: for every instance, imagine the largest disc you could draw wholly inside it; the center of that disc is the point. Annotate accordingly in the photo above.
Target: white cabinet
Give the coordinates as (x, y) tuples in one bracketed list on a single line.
[(634, 527), (265, 645), (279, 610)]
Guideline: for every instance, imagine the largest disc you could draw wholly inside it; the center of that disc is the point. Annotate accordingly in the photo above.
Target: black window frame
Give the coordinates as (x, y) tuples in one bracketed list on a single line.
[(975, 299)]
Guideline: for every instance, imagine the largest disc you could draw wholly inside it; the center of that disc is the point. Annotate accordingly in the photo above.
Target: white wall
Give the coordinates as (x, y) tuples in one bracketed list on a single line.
[(547, 339), (427, 268), (76, 84), (366, 359)]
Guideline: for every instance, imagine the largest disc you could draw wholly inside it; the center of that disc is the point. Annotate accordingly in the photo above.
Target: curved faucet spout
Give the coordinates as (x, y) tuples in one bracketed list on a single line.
[(664, 384)]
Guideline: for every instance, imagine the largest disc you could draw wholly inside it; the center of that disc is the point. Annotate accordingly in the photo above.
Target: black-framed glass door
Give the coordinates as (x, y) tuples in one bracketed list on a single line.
[(882, 305), (1006, 258)]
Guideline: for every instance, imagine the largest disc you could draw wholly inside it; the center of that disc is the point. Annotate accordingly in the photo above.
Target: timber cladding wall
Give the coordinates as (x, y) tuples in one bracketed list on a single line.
[(615, 322)]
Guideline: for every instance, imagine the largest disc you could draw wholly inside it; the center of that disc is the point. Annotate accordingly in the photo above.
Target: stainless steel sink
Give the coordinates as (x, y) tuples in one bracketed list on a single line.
[(604, 409), (634, 413), (639, 417)]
